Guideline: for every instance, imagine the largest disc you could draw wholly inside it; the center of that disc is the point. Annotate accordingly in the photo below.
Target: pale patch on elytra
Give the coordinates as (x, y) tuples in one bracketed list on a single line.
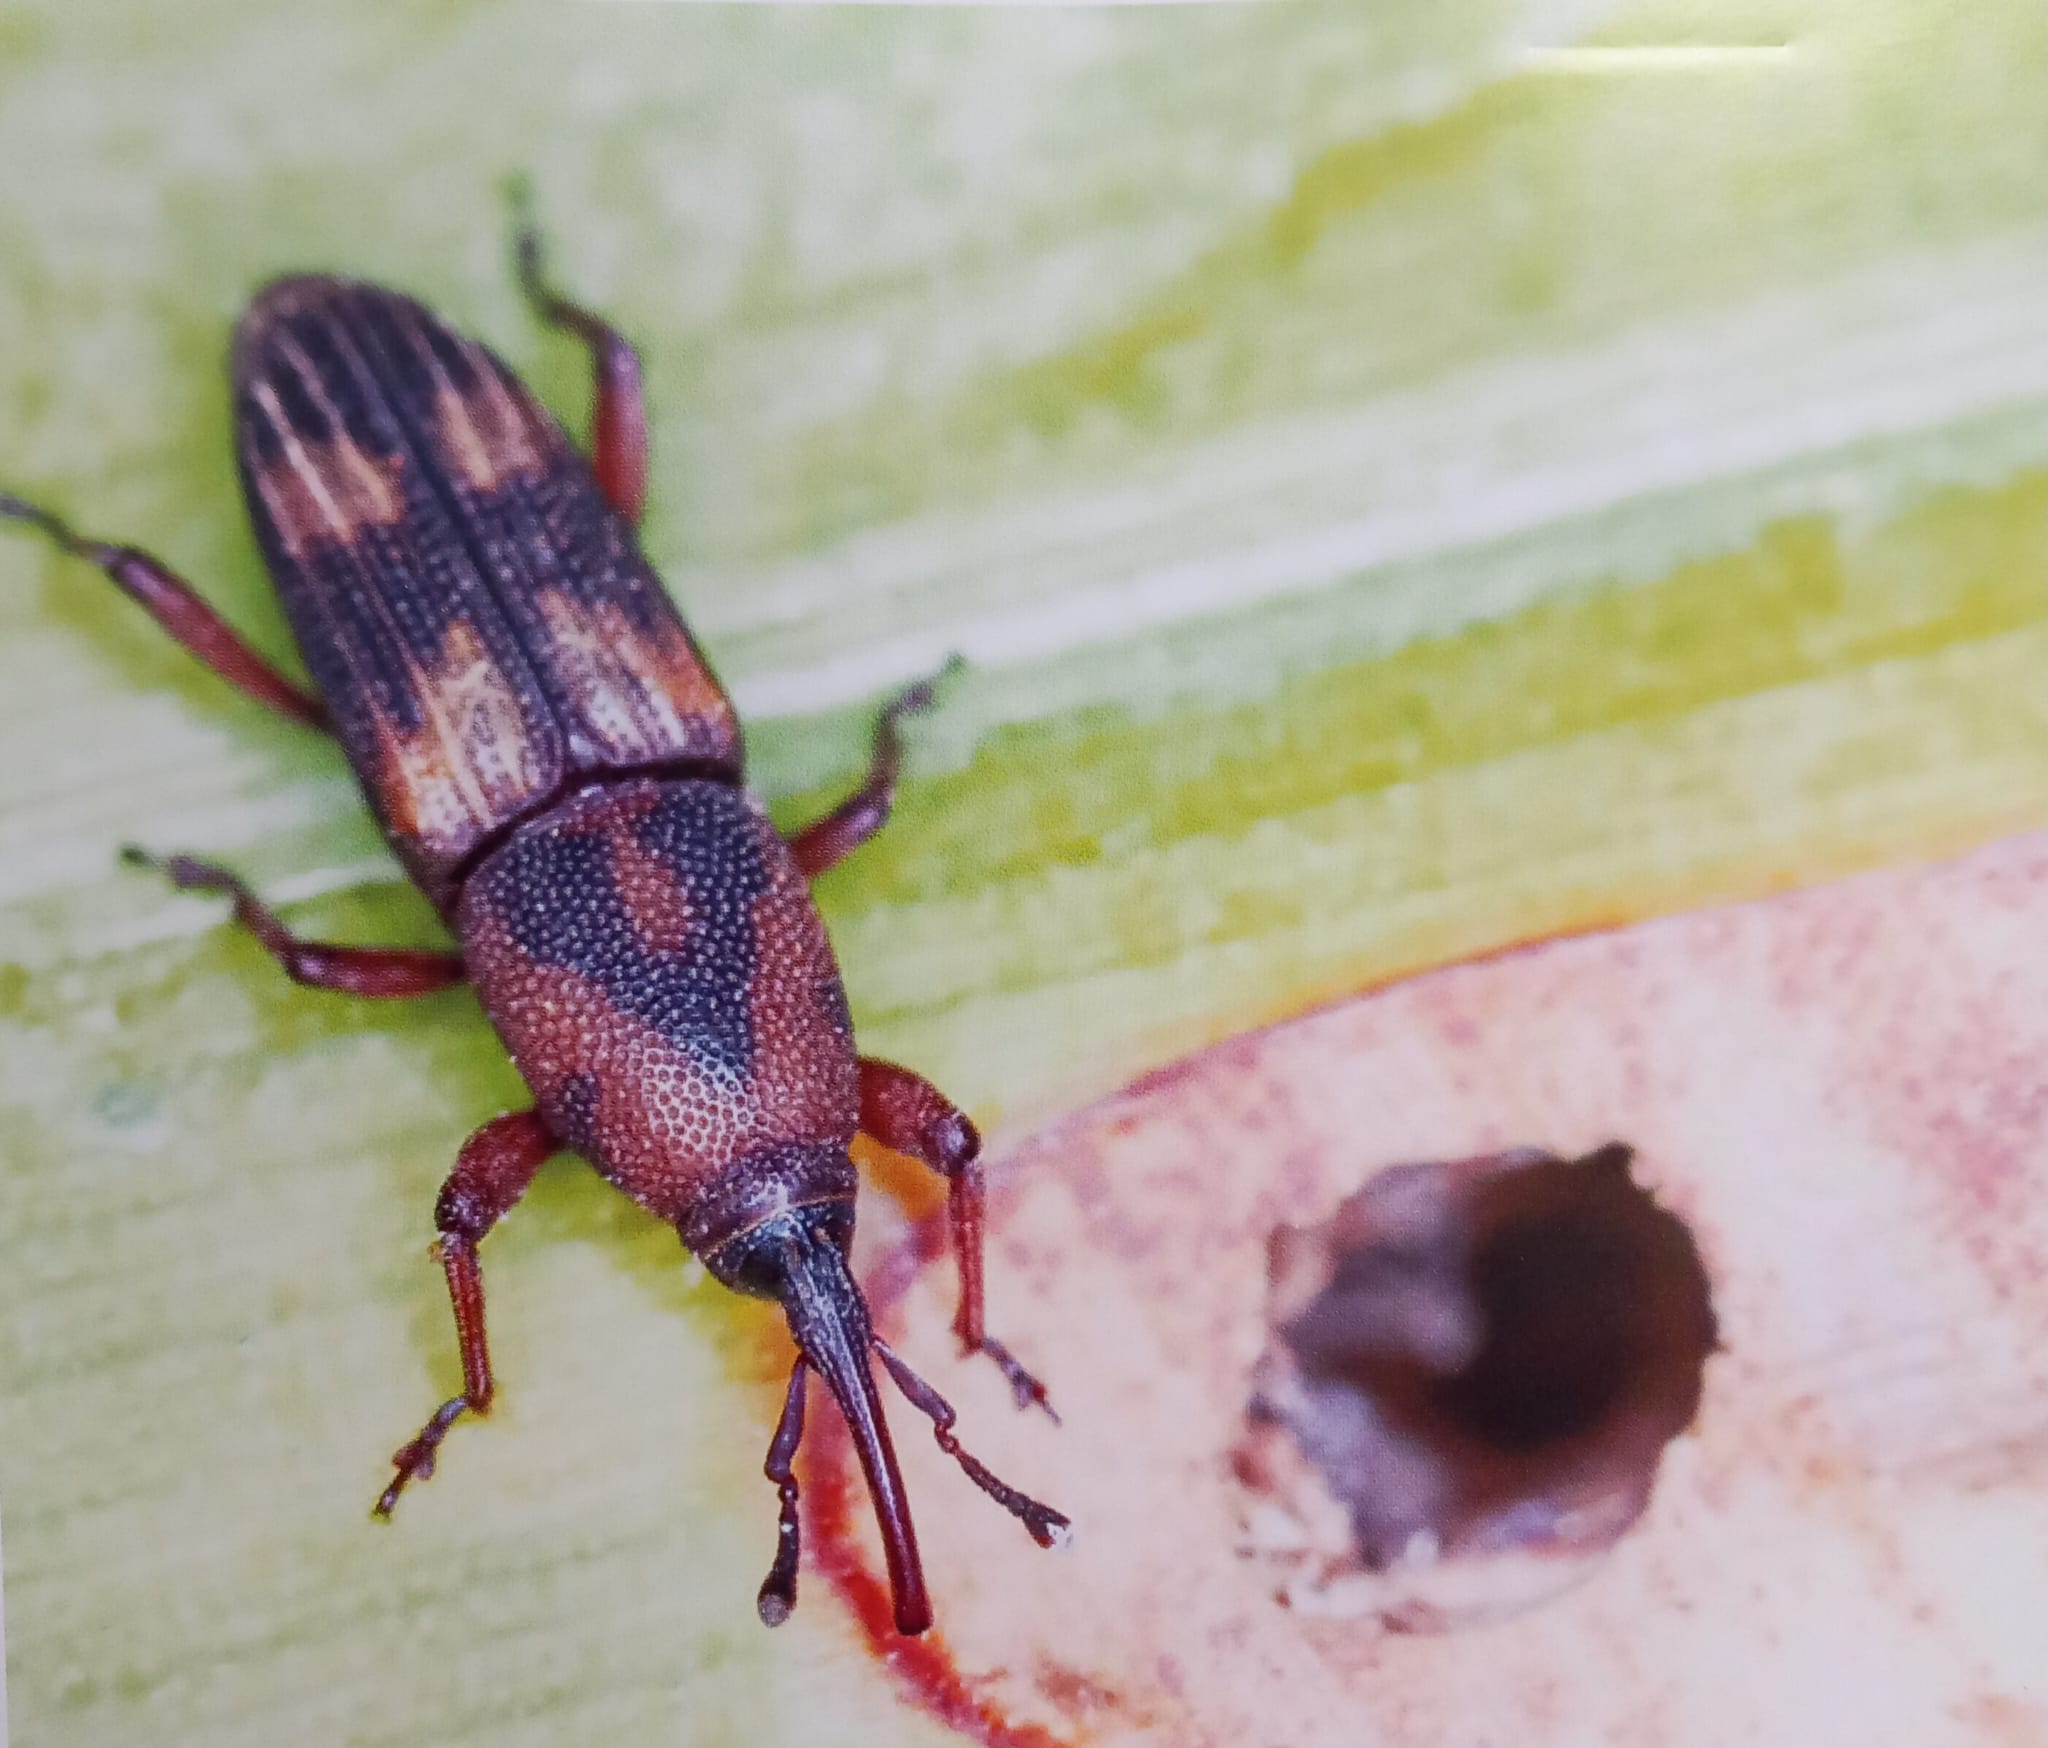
[(641, 694), (488, 438), (324, 491), (471, 759)]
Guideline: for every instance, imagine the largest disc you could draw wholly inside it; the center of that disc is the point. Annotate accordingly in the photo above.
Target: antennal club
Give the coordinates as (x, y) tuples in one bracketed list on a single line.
[(777, 1600), (1048, 1528)]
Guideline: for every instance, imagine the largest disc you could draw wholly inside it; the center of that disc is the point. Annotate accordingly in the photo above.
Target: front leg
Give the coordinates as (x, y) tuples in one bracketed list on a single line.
[(491, 1174), (907, 1114)]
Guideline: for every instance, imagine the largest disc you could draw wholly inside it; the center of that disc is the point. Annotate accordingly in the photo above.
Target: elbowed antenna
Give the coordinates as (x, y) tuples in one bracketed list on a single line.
[(1047, 1527), (829, 1319)]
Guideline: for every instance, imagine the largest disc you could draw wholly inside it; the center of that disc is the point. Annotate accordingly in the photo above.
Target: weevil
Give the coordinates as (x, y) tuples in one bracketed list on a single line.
[(554, 762)]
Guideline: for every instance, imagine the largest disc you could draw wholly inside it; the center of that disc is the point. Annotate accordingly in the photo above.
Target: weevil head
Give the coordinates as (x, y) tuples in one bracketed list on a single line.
[(787, 1224), (742, 1223)]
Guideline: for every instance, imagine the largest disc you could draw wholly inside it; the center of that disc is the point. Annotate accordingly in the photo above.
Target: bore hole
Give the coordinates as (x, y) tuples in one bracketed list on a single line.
[(1555, 1348), (1480, 1354)]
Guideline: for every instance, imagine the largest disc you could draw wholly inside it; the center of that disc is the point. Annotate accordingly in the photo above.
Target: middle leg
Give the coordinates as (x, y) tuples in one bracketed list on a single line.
[(387, 973), (907, 1114), (863, 813)]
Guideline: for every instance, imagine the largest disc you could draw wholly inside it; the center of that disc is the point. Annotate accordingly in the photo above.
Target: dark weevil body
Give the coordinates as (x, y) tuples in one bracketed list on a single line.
[(559, 770)]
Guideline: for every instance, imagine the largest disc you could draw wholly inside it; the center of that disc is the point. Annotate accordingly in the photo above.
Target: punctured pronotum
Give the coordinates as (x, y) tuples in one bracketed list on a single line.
[(556, 765)]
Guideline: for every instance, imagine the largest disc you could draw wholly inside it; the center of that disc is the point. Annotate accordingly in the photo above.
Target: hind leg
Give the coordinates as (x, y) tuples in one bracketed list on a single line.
[(175, 605), (618, 418)]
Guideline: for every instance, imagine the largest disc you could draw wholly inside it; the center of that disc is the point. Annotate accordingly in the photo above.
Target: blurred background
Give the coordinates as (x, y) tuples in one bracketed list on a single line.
[(1407, 480)]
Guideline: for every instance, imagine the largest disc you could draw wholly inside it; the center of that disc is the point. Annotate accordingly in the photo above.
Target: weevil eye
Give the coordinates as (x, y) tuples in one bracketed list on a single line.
[(832, 1223), (803, 1192), (756, 1262), (751, 1262)]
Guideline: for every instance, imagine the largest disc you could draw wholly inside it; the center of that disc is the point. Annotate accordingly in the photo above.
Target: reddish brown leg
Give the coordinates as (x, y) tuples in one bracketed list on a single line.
[(863, 813), (491, 1174), (906, 1113), (170, 601), (618, 415), (379, 972)]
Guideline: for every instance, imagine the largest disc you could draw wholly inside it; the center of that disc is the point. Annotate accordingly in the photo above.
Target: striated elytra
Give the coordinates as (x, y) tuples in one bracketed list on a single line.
[(556, 765)]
